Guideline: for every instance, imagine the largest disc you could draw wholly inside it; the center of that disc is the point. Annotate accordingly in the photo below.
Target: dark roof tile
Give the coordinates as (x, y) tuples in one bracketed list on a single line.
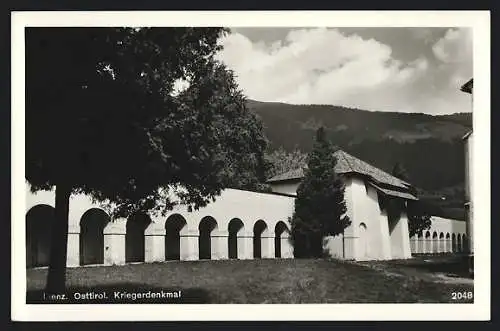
[(347, 163), (467, 87)]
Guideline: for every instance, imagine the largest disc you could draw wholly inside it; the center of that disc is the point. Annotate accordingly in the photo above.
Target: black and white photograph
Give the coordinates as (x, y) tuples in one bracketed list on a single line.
[(210, 162)]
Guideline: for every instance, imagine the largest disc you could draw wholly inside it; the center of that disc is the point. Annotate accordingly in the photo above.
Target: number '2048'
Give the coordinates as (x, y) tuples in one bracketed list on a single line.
[(462, 295)]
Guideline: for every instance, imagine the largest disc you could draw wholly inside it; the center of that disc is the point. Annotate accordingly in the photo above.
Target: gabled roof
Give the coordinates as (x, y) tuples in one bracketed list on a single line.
[(467, 87), (346, 163)]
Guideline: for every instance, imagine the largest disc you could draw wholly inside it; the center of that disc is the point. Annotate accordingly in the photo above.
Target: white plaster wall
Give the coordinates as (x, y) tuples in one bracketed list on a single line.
[(384, 235), (349, 236), (469, 187), (439, 225), (335, 246), (468, 143), (247, 206), (470, 229), (342, 246), (378, 231), (362, 207), (78, 205), (365, 209), (400, 239), (114, 242)]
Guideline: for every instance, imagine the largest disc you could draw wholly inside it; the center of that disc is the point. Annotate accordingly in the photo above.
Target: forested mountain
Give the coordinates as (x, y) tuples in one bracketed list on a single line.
[(430, 147)]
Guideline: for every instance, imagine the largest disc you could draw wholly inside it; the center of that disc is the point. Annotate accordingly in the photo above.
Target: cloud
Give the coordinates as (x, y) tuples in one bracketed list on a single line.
[(455, 46), (318, 66), (325, 66), (424, 34), (454, 51)]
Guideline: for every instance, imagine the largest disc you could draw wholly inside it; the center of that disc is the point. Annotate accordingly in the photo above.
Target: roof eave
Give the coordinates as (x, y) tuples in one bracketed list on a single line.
[(467, 135), (394, 193), (467, 87), (269, 181), (371, 179)]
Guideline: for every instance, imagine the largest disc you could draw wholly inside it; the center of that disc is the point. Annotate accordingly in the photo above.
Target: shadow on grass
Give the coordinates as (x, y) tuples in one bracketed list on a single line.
[(126, 293), (451, 265)]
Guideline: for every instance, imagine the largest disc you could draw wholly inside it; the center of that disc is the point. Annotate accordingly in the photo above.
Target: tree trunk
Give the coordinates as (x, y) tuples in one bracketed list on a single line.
[(56, 279)]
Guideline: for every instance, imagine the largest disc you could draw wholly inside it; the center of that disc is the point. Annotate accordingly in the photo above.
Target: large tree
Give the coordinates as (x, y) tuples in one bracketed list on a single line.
[(319, 206), (419, 218), (106, 115)]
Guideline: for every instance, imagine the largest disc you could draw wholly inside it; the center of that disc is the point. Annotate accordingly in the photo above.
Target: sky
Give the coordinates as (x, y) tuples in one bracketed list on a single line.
[(417, 70)]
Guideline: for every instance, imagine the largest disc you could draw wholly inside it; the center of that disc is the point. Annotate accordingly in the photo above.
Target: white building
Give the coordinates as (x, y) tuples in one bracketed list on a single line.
[(468, 143), (240, 225), (444, 236), (373, 234)]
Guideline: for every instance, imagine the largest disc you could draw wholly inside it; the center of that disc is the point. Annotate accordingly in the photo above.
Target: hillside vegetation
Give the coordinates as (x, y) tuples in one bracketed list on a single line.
[(430, 147)]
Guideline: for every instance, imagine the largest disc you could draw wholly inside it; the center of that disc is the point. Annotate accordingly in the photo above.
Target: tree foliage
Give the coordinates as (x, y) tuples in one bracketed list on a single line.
[(319, 207), (379, 138), (400, 172), (280, 161), (105, 116), (418, 217)]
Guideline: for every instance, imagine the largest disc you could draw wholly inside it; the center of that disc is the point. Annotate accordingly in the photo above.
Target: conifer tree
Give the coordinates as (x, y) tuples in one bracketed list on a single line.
[(400, 172), (319, 207)]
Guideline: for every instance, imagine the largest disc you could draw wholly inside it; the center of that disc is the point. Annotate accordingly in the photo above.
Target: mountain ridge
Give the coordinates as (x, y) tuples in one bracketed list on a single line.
[(252, 103), (430, 146)]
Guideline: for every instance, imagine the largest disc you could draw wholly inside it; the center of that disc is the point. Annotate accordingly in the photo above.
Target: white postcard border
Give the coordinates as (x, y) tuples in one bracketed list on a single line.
[(480, 310)]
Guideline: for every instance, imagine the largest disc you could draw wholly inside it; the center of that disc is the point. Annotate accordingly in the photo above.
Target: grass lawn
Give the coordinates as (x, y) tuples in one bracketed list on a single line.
[(257, 281)]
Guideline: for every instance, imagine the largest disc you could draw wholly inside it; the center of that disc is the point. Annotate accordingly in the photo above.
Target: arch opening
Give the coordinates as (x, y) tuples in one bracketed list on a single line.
[(279, 231), (39, 223), (207, 225), (134, 238), (259, 229), (441, 246), (235, 230), (363, 240), (92, 226), (173, 227), (428, 242)]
